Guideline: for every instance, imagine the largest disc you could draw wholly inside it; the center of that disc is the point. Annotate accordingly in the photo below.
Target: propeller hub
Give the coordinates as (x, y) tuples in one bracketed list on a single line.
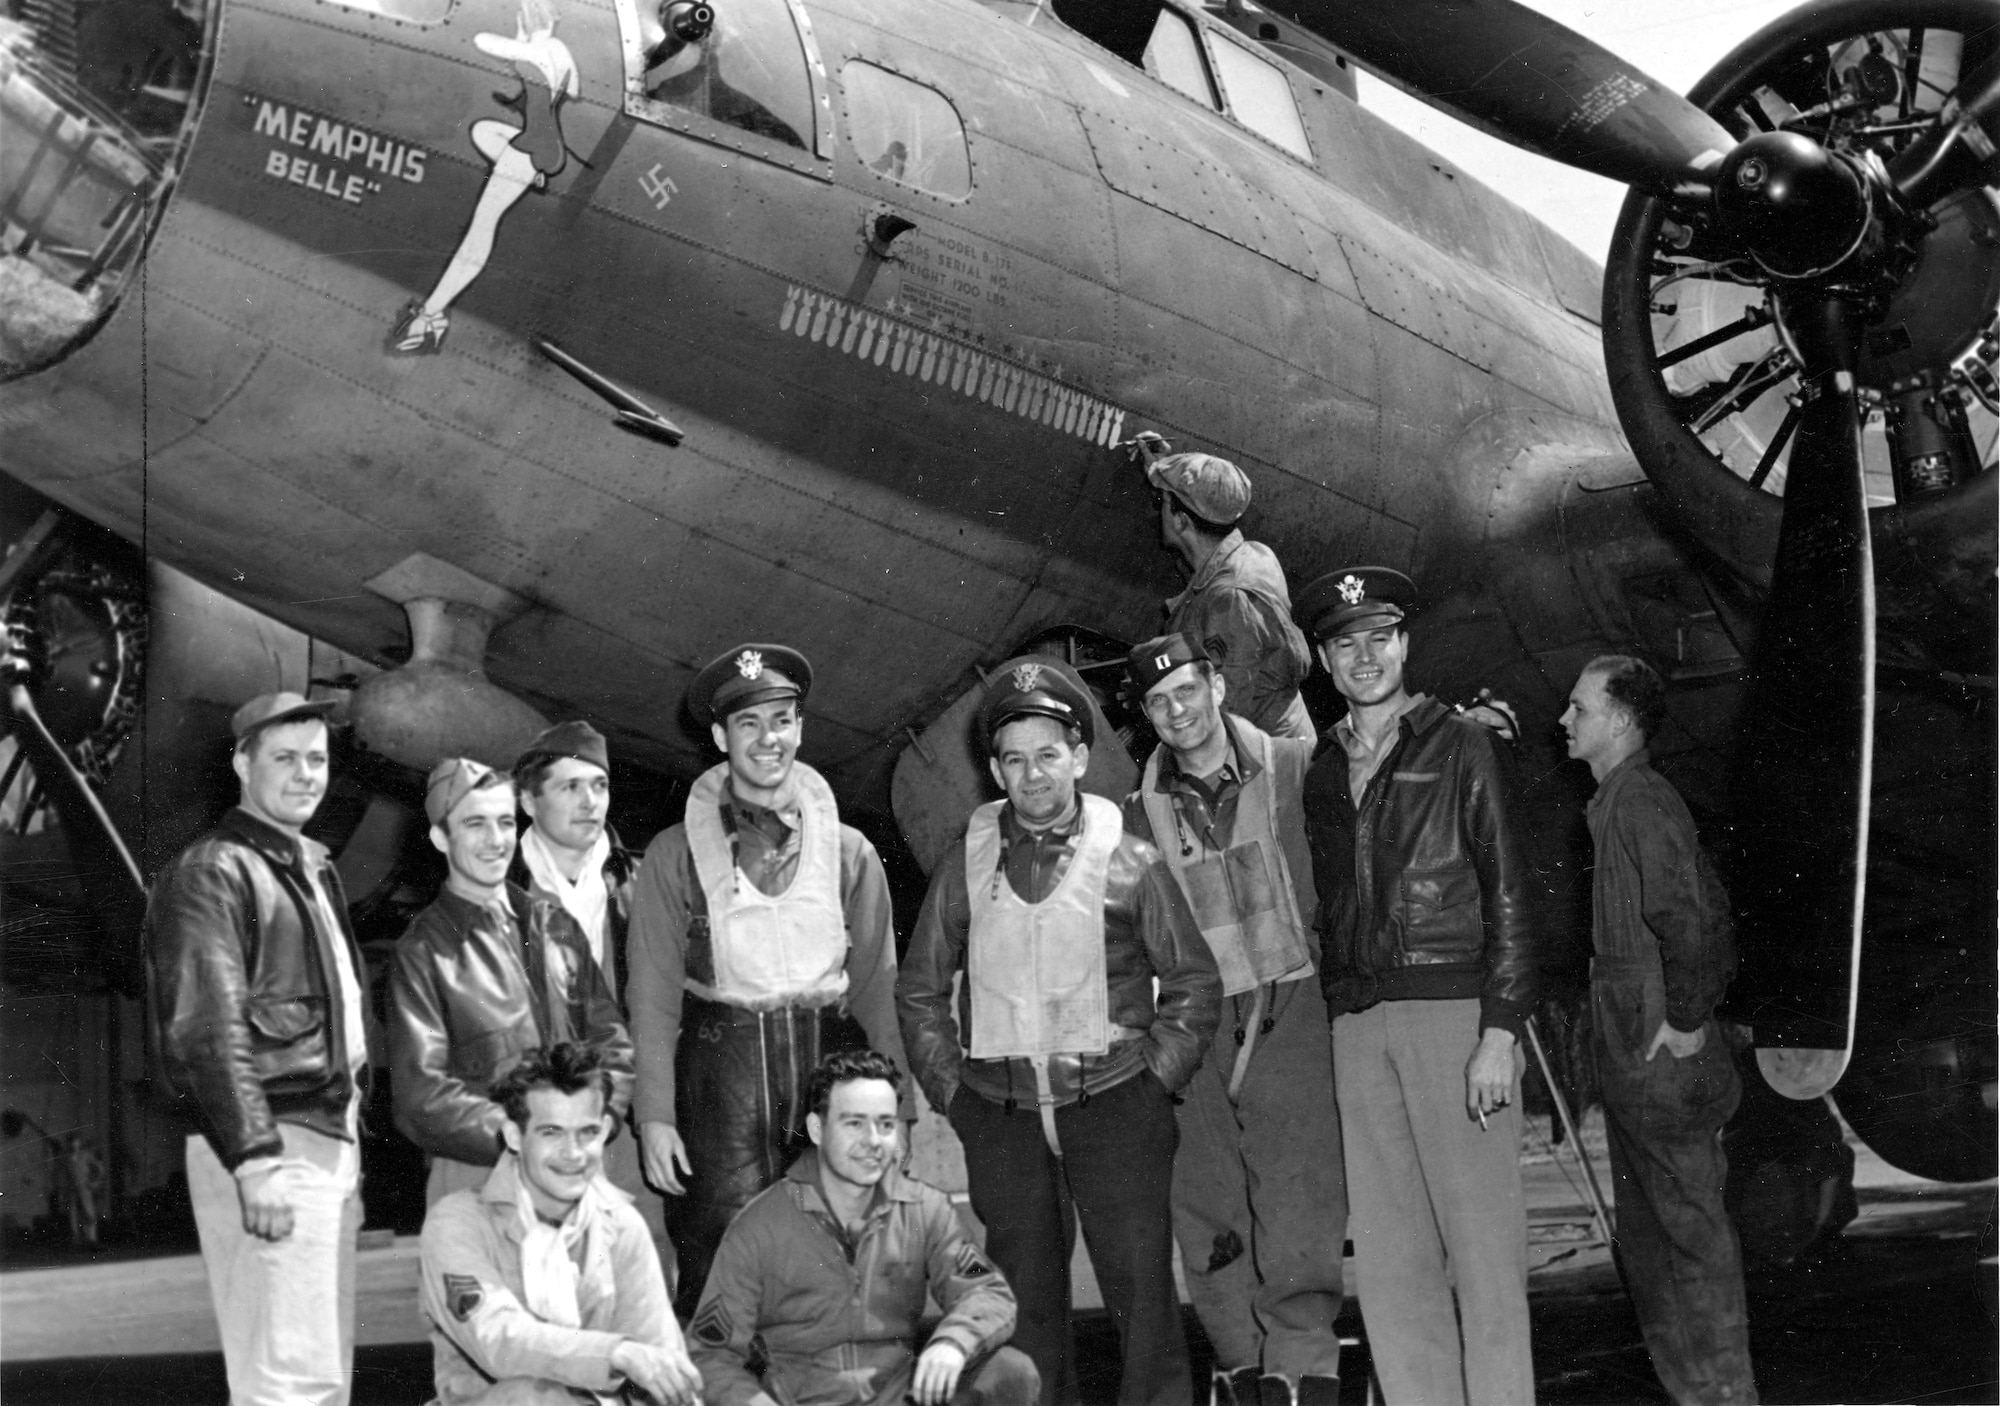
[(1798, 208)]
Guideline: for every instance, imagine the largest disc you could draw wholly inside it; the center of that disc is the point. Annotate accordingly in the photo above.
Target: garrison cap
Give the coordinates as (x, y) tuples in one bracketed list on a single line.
[(1355, 599), (578, 739), (1152, 661), (1036, 686), (1214, 489), (451, 781), (746, 675), (270, 709)]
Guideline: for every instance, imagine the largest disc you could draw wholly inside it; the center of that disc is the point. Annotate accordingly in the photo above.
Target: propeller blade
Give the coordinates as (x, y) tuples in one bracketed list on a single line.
[(1808, 740), (117, 891), (1524, 78)]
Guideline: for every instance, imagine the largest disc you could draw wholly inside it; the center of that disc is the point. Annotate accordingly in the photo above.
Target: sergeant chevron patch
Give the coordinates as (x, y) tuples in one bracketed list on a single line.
[(712, 1324), (461, 1293), (972, 1264), (904, 349)]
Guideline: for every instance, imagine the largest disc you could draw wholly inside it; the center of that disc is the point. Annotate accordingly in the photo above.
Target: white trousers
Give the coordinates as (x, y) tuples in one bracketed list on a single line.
[(285, 1307)]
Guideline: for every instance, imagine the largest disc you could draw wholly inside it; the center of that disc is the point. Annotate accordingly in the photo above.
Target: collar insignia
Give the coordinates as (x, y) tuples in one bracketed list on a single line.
[(1027, 677), (750, 664), (1352, 589)]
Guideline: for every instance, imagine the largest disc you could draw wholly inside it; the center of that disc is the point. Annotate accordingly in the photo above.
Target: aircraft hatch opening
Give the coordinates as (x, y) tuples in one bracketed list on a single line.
[(98, 100)]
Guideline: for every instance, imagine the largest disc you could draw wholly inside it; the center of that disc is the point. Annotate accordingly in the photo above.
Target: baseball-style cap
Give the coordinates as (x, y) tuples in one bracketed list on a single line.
[(451, 781), (576, 739), (1214, 489), (1036, 686), (1356, 599), (1152, 661), (270, 709), (747, 675)]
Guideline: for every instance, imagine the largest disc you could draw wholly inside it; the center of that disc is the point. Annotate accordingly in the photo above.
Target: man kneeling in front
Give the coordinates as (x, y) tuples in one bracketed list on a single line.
[(818, 1286), (542, 1287)]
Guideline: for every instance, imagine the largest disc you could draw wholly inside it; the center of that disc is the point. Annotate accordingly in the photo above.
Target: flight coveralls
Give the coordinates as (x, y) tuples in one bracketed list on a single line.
[(1240, 609), (836, 1319), (1260, 1196), (488, 1346), (1104, 920), (1663, 949), (726, 1043)]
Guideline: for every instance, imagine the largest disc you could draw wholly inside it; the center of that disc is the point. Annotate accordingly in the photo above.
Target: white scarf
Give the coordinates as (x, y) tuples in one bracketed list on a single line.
[(552, 1284), (587, 900)]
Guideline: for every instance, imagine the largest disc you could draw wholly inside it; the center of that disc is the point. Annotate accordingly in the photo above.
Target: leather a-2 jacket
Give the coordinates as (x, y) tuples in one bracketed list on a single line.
[(1423, 888), (245, 1002), (621, 866), (468, 998), (1149, 932)]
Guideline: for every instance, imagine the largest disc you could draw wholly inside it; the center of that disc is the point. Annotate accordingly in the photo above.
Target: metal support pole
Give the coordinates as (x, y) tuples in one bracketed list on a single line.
[(1569, 1128)]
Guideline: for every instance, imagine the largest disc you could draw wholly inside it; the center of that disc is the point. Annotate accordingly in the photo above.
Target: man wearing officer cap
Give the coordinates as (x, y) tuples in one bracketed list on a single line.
[(1428, 966), (1236, 602), (1260, 1202), (1056, 1068), (486, 973), (571, 854), (259, 995), (761, 939)]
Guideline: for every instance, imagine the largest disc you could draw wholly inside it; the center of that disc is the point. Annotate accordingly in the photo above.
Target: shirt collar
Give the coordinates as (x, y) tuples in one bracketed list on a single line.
[(1631, 764), (1350, 740), (503, 1188), (291, 851), (1239, 766), (894, 1186), (464, 912), (1013, 831), (770, 822)]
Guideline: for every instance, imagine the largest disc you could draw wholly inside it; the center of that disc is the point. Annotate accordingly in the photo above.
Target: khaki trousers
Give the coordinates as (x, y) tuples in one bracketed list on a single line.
[(1435, 1206), (285, 1308)]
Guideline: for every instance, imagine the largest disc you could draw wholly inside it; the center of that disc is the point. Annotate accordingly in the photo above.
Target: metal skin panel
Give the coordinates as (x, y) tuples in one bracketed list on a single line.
[(1162, 173), (904, 460)]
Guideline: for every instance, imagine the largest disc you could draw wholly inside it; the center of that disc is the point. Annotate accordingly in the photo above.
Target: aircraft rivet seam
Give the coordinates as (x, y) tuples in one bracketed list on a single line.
[(901, 348)]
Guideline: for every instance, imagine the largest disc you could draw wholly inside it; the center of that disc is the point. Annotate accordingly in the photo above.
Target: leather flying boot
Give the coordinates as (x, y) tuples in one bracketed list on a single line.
[(1318, 1391), (1275, 1390), (1237, 1388)]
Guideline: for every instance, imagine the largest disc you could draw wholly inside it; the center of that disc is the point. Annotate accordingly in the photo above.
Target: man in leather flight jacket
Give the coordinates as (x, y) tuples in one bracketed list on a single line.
[(1429, 973), (259, 997), (483, 975), (1056, 1071)]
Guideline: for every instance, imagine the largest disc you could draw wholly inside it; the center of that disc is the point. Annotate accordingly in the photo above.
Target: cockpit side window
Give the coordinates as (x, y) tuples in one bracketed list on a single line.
[(906, 131), (1260, 97), (1173, 55), (738, 63)]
